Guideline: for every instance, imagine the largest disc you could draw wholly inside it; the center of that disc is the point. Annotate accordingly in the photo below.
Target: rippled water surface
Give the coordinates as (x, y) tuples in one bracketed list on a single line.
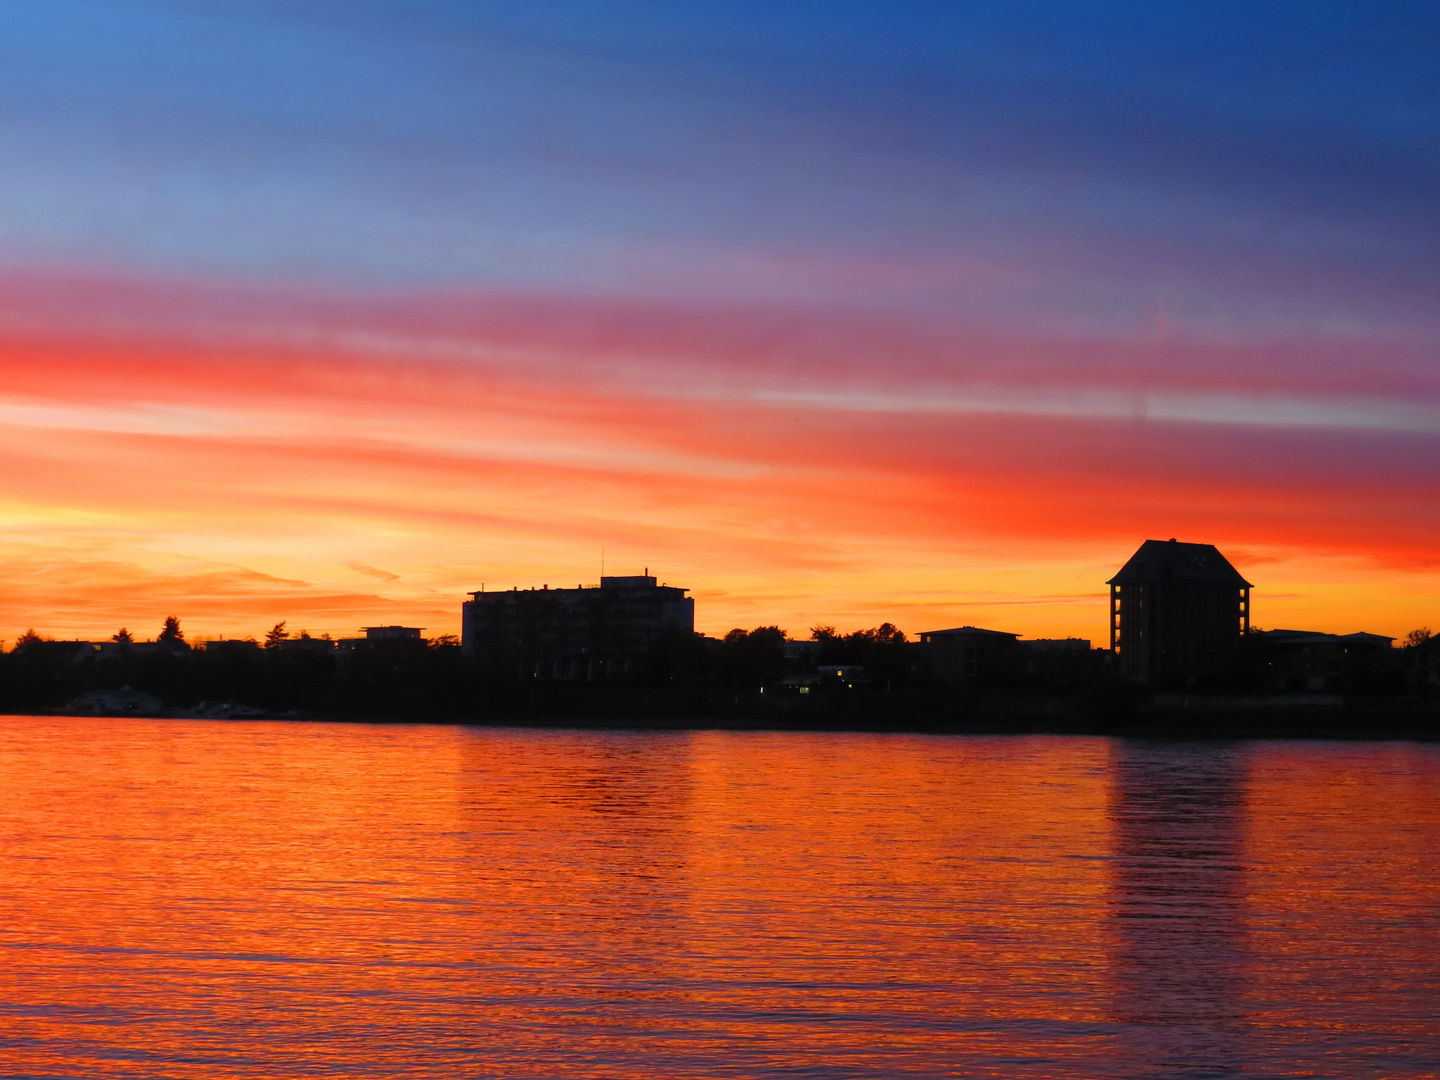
[(193, 899)]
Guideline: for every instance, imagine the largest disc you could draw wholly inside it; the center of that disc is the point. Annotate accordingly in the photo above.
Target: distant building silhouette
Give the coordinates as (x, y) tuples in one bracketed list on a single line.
[(1177, 613), (1057, 645), (1422, 661), (394, 633), (1329, 663), (968, 652), (1063, 662), (231, 645), (574, 635), (801, 653), (306, 644), (381, 639), (81, 652)]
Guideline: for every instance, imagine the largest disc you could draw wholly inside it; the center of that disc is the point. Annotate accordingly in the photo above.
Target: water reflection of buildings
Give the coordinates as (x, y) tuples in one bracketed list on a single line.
[(1179, 963)]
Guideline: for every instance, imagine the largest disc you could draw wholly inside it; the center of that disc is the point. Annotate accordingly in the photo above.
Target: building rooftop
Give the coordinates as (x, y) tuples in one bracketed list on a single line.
[(1171, 561), (634, 581), (646, 582), (1316, 637), (967, 630)]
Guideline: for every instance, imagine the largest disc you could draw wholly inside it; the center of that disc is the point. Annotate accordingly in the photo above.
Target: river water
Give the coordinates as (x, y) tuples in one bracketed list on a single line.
[(207, 899)]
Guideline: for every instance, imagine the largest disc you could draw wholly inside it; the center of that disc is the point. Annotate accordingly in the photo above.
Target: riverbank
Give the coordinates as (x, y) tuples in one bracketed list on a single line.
[(1107, 710)]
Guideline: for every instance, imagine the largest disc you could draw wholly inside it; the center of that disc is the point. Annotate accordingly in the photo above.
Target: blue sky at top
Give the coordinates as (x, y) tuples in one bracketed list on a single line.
[(1278, 159)]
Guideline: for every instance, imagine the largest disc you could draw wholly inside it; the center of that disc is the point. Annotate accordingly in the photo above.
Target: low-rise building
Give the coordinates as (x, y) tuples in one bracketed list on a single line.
[(1422, 664), (801, 654), (1308, 660), (969, 652), (320, 646), (242, 646), (1063, 663), (1056, 645), (394, 633), (82, 652)]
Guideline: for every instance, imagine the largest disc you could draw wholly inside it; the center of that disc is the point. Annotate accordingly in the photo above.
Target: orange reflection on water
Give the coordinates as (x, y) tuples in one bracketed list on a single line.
[(1346, 853), (189, 899)]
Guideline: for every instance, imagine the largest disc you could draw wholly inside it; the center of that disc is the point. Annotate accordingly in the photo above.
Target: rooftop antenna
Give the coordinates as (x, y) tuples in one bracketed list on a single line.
[(602, 560)]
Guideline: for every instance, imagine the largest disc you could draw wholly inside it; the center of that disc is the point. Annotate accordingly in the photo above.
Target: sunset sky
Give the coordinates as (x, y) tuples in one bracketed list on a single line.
[(334, 310)]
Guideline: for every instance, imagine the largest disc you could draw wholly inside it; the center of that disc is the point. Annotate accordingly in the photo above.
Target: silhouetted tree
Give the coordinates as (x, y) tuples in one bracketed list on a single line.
[(881, 650), (887, 634), (171, 633), (679, 656), (276, 635), (884, 653), (832, 645), (123, 636), (1415, 638), (754, 657), (27, 640)]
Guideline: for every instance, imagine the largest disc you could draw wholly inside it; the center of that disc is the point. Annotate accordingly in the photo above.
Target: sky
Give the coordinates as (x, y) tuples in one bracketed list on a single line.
[(832, 313)]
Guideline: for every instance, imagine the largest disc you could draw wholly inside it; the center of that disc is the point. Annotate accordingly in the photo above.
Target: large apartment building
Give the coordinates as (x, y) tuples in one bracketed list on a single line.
[(1177, 613), (585, 634)]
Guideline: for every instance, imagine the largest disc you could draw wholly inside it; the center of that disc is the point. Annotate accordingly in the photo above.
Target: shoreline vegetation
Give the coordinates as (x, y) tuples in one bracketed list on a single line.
[(751, 680)]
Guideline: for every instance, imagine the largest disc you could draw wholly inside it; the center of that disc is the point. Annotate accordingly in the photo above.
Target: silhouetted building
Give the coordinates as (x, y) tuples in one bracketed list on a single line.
[(1327, 663), (1422, 664), (1063, 663), (394, 633), (801, 660), (86, 651), (1177, 613), (231, 645), (574, 635), (74, 652), (968, 652), (1057, 645), (306, 644), (801, 654)]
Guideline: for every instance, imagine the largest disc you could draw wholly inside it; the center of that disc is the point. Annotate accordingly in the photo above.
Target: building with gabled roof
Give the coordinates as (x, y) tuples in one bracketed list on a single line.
[(1177, 614)]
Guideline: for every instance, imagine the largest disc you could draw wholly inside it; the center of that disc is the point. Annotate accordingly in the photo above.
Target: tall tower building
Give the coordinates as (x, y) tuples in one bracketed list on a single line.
[(1177, 613)]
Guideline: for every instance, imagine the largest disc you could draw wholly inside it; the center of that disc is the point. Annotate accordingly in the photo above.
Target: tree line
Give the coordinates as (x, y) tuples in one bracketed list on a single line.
[(402, 677), (433, 678)]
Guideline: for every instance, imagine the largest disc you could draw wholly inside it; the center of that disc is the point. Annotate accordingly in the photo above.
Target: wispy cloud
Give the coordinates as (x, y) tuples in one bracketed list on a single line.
[(826, 309), (1107, 403), (370, 571)]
